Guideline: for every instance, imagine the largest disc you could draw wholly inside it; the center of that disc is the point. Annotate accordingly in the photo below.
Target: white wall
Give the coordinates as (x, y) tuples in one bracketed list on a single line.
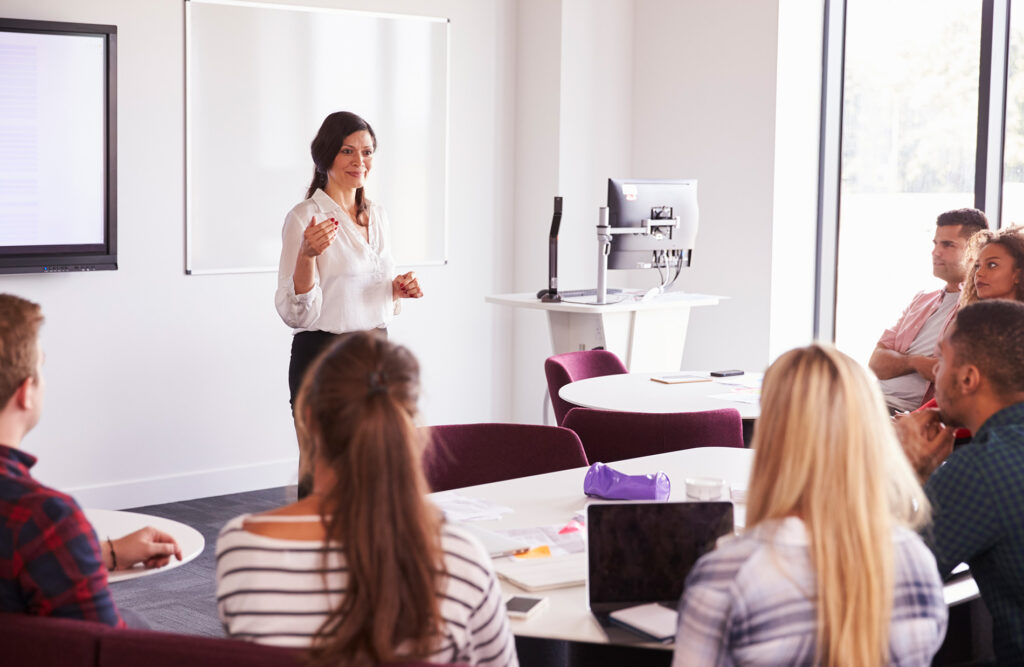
[(684, 89), (797, 129), (574, 115), (163, 386), (538, 39), (704, 107)]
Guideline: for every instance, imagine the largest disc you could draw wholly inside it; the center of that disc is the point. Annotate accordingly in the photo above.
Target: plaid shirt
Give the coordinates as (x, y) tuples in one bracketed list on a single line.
[(751, 601), (50, 561), (978, 503)]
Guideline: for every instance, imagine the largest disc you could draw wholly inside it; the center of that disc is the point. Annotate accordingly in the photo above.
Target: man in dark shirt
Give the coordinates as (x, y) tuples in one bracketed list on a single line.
[(51, 562), (977, 494)]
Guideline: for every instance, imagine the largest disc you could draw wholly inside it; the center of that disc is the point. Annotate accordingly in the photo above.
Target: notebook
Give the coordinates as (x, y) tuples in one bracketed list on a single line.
[(543, 574), (641, 552), (650, 620)]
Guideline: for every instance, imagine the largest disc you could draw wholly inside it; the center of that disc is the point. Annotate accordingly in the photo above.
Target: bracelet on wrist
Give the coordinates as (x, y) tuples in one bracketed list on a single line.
[(113, 554)]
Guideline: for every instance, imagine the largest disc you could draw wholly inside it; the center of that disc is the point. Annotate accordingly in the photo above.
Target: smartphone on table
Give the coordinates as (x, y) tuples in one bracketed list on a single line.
[(522, 607)]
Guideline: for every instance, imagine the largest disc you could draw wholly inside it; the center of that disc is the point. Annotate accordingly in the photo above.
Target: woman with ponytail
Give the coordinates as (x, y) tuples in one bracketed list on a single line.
[(828, 570), (363, 570), (336, 273)]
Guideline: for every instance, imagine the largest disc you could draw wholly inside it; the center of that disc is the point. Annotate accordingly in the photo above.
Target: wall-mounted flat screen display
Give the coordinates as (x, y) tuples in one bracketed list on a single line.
[(58, 148)]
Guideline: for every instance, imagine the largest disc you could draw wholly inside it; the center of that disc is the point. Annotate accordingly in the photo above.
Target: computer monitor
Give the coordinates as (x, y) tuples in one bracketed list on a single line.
[(650, 205)]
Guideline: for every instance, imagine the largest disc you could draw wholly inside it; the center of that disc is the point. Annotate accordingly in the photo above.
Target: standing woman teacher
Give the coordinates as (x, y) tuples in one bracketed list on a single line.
[(337, 274)]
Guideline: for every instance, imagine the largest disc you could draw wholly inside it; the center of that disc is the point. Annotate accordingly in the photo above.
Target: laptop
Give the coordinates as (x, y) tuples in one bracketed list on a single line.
[(641, 552)]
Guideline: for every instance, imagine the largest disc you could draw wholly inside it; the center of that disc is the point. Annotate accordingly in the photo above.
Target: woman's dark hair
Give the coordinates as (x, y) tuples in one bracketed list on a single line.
[(325, 148), (1011, 239), (355, 415)]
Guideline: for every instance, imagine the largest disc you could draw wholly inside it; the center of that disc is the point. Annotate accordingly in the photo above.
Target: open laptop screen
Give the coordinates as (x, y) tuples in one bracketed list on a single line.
[(641, 552)]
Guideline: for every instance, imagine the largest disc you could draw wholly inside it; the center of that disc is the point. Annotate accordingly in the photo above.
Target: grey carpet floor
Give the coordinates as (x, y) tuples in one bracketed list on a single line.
[(183, 600)]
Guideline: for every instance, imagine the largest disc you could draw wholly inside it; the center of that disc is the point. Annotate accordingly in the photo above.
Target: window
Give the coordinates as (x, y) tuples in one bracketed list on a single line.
[(916, 128), (909, 136), (1013, 164)]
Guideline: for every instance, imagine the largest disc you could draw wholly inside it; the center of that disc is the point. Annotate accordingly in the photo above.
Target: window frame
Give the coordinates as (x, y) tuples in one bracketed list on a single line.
[(989, 153)]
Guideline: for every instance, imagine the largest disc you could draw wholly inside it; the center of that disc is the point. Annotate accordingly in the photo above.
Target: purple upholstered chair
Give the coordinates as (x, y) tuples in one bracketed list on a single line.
[(164, 649), (562, 369), (467, 454), (612, 436), (49, 641)]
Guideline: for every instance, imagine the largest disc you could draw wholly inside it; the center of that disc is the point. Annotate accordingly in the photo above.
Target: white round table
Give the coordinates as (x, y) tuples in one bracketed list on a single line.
[(637, 392), (116, 524)]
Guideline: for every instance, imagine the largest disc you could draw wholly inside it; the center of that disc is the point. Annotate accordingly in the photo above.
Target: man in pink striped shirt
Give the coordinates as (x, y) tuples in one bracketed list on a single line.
[(904, 358)]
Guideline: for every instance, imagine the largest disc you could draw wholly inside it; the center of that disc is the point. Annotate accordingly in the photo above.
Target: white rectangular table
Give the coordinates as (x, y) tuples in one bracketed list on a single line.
[(555, 498)]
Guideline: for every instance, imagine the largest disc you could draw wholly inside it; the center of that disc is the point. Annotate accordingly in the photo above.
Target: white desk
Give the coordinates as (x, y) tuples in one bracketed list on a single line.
[(636, 392), (554, 498), (646, 335), (116, 524)]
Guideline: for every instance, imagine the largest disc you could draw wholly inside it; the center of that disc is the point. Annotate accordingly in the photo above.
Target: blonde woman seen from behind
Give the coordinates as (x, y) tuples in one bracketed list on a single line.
[(363, 570), (828, 570)]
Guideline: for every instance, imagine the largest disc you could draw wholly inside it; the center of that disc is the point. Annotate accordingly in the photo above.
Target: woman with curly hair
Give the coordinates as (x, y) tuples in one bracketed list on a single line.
[(995, 266)]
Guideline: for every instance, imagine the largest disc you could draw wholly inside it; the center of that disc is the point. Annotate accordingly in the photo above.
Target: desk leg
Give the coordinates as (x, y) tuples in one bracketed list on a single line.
[(656, 339), (573, 332), (554, 653), (968, 636), (647, 341)]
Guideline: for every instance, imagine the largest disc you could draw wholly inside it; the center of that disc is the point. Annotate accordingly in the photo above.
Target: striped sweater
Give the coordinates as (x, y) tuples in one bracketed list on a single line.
[(272, 591)]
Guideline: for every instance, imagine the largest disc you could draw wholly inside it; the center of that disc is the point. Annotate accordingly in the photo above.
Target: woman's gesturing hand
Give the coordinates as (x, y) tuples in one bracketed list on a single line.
[(318, 236), (406, 286)]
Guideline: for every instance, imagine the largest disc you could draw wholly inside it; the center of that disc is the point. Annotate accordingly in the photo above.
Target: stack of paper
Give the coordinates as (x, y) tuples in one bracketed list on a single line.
[(457, 507)]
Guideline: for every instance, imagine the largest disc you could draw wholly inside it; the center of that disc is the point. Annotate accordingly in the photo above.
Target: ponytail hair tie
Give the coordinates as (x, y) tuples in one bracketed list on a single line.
[(377, 383)]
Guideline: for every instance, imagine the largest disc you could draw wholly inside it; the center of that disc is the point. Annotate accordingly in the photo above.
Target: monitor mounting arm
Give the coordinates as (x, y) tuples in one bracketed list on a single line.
[(649, 227)]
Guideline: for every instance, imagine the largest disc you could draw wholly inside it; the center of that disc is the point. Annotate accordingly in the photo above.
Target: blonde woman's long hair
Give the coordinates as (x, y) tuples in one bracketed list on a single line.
[(826, 452)]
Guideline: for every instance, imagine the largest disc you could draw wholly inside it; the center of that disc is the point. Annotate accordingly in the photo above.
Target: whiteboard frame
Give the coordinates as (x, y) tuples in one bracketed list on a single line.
[(189, 270)]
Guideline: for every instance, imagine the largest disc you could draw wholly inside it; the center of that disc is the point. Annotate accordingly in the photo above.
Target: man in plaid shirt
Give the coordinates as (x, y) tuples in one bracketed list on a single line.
[(51, 563), (977, 494)]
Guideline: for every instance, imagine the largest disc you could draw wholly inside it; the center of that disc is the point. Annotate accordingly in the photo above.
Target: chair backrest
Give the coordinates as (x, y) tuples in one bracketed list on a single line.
[(461, 455), (62, 642), (612, 436), (49, 641), (562, 369), (164, 649)]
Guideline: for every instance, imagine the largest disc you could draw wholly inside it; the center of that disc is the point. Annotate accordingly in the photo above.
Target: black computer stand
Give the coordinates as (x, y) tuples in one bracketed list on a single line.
[(550, 295)]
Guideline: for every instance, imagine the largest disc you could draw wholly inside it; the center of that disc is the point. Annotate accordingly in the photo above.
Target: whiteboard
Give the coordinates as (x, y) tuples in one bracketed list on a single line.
[(259, 80)]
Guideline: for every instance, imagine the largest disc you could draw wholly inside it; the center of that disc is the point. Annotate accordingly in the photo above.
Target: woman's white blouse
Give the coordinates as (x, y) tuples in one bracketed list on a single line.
[(352, 281)]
